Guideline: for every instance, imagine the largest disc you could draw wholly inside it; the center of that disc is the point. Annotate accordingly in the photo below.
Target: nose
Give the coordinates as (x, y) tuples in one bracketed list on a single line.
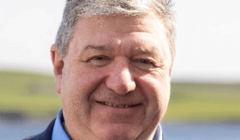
[(120, 79)]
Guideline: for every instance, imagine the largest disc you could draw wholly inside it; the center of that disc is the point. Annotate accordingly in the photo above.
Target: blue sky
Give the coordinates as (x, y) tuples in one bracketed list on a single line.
[(208, 37)]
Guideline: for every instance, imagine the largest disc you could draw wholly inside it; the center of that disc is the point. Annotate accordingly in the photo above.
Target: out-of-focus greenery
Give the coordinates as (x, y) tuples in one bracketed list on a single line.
[(34, 95), (204, 102), (31, 95)]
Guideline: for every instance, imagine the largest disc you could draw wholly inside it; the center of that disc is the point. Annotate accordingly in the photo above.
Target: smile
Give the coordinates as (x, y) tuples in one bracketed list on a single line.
[(118, 106)]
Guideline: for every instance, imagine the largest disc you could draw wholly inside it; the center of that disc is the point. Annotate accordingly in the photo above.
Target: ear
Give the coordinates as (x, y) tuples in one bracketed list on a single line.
[(58, 65)]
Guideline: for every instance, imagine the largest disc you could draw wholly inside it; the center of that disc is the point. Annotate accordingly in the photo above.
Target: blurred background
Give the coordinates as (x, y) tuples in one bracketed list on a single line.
[(205, 98)]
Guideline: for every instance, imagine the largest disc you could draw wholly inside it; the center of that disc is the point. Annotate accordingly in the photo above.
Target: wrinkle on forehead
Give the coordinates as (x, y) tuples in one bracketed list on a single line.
[(110, 31)]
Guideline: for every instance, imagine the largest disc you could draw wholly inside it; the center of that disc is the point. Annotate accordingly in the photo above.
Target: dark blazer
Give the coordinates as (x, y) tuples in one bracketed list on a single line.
[(47, 134)]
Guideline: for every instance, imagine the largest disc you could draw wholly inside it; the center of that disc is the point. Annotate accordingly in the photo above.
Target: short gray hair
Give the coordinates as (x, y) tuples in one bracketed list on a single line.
[(75, 9)]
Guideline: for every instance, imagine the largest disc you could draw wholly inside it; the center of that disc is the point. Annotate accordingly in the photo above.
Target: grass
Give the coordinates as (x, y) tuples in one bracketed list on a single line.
[(34, 96), (204, 102)]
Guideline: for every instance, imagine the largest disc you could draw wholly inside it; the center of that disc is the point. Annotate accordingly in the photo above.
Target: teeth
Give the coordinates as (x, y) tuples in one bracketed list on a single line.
[(109, 104), (121, 106), (114, 105), (126, 106)]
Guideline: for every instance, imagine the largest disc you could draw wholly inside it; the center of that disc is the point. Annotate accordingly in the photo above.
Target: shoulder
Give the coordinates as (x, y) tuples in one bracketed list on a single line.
[(45, 135)]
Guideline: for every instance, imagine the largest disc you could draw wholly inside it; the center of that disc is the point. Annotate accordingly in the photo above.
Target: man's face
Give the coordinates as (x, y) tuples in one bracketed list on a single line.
[(115, 79)]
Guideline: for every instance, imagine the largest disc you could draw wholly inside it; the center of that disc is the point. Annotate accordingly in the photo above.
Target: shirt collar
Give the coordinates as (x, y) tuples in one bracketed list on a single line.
[(60, 134), (158, 133), (58, 130)]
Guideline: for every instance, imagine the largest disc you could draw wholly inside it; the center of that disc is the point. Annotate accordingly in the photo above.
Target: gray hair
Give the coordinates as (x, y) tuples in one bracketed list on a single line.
[(75, 9)]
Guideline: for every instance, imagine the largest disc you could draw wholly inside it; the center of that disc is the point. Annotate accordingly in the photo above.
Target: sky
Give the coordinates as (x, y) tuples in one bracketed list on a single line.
[(208, 38)]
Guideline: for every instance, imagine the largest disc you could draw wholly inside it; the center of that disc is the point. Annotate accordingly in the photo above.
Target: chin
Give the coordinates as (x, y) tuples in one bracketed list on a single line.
[(119, 132)]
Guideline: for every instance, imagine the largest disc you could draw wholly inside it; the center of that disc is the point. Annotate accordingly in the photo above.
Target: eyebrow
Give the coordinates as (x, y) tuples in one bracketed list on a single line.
[(97, 47), (140, 50), (151, 50)]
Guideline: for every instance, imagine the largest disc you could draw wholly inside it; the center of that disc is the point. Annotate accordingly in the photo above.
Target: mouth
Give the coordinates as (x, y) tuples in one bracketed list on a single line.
[(118, 105)]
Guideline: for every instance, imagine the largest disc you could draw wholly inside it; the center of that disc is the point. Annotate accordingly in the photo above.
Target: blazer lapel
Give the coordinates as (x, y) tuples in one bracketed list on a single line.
[(45, 135)]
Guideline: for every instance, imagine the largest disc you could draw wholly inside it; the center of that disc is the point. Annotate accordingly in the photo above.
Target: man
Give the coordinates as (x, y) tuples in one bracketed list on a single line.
[(112, 62)]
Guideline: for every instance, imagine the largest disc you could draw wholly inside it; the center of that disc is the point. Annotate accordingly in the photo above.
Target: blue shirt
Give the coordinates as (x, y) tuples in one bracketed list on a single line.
[(60, 134), (58, 130)]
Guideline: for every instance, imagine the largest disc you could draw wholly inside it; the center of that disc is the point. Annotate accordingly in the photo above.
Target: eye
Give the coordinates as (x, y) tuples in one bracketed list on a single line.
[(144, 64), (100, 60), (144, 61)]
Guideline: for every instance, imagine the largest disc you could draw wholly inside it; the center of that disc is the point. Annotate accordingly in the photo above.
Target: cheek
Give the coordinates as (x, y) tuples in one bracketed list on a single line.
[(80, 79), (77, 88), (157, 93), (74, 87), (79, 84)]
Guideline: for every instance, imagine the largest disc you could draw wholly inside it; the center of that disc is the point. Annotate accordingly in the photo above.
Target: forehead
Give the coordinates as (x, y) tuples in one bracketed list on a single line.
[(138, 31), (149, 22)]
